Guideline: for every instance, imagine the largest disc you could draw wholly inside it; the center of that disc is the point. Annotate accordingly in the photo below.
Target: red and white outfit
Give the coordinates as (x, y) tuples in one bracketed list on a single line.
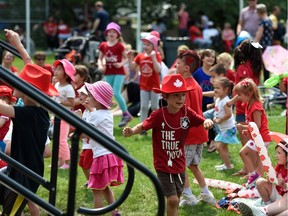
[(112, 54), (169, 132), (263, 130), (244, 71), (281, 173)]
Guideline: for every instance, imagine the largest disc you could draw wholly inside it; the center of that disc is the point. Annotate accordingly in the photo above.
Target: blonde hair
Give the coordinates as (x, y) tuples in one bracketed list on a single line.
[(225, 57), (182, 47), (261, 8), (248, 87)]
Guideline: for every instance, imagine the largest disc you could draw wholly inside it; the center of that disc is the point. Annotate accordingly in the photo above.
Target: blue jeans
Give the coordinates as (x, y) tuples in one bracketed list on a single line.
[(209, 114)]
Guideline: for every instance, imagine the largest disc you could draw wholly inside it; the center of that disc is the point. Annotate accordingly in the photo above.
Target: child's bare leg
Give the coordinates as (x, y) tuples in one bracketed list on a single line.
[(109, 196), (224, 153), (198, 175), (244, 154), (279, 207), (264, 188), (33, 209), (172, 205), (86, 173), (97, 195)]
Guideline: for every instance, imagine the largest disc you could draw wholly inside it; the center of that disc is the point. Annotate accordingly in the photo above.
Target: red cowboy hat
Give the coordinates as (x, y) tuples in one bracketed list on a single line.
[(172, 84), (38, 77), (6, 91)]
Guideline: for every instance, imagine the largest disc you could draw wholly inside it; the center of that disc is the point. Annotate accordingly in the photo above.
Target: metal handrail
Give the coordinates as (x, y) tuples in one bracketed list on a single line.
[(82, 126)]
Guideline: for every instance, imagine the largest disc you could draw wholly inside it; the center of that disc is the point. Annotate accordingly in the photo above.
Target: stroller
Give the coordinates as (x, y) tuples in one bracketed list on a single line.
[(81, 50)]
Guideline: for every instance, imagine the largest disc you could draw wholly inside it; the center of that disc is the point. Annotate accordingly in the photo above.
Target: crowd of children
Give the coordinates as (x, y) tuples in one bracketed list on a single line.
[(200, 92)]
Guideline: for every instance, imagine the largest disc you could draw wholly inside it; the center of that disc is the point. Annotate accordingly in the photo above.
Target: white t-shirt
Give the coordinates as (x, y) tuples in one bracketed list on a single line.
[(220, 112), (86, 141), (65, 92), (103, 121)]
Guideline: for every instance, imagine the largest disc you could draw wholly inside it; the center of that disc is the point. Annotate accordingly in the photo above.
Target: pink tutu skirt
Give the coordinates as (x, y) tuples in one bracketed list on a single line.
[(106, 170)]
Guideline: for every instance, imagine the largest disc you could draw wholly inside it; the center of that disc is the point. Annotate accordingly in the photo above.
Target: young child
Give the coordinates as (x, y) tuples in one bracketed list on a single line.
[(187, 63), (5, 97), (113, 51), (64, 73), (86, 156), (226, 59), (149, 63), (248, 64), (224, 118), (202, 76), (247, 92), (216, 71), (269, 192), (170, 127), (81, 76), (30, 128), (106, 169)]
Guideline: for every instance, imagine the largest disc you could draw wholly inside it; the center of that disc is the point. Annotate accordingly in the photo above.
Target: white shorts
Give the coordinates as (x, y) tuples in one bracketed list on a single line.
[(274, 195), (251, 144)]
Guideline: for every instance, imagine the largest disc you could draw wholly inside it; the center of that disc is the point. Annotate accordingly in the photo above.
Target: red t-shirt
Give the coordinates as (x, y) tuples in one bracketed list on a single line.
[(80, 106), (196, 135), (112, 54), (50, 27), (244, 71), (264, 130), (281, 173), (168, 143), (195, 33), (230, 74), (149, 78)]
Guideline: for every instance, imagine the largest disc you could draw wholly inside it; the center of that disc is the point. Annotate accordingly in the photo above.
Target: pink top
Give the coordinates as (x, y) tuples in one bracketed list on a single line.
[(183, 20)]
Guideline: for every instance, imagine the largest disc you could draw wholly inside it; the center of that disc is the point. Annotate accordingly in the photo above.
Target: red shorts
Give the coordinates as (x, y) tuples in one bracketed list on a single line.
[(86, 159)]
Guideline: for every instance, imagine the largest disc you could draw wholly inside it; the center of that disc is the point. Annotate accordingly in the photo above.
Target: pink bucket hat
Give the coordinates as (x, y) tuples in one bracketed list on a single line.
[(172, 84), (68, 67), (151, 39), (101, 91), (156, 34), (113, 26)]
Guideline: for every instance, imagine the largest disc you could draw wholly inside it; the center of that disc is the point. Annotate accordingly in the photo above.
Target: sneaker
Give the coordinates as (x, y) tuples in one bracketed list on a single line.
[(64, 166), (219, 166), (252, 179), (125, 119), (209, 198), (188, 200), (116, 213), (225, 167), (249, 210)]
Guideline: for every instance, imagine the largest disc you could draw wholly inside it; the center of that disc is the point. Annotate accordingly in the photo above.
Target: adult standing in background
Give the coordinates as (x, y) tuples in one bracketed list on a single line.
[(183, 19), (248, 19), (274, 18), (100, 20), (51, 29)]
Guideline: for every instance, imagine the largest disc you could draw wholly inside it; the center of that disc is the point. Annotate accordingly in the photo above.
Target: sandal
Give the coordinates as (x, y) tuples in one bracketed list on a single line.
[(211, 149), (240, 173)]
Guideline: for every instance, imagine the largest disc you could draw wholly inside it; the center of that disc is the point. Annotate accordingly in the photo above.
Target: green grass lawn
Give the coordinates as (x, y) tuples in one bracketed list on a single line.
[(143, 199)]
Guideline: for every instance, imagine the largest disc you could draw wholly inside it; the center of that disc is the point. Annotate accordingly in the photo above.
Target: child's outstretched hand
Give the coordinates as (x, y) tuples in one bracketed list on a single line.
[(13, 37), (127, 132), (208, 123)]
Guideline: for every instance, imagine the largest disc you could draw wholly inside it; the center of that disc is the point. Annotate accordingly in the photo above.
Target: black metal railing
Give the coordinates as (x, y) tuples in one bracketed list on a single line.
[(81, 126)]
